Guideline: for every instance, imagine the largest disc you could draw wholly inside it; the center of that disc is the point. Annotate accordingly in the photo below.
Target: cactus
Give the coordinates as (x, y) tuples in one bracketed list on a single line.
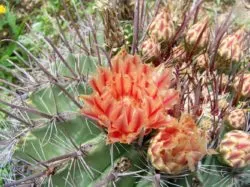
[(64, 146), (82, 117)]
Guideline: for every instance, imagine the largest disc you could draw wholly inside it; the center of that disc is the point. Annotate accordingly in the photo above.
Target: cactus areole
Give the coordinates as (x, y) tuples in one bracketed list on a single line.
[(130, 99)]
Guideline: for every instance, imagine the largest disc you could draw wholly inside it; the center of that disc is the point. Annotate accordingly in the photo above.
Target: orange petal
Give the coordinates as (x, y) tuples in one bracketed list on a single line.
[(98, 105), (137, 121), (108, 106), (96, 85), (151, 90), (116, 66), (115, 114), (122, 84), (114, 136), (135, 60), (162, 76), (146, 69), (121, 124), (171, 98), (104, 76), (152, 107)]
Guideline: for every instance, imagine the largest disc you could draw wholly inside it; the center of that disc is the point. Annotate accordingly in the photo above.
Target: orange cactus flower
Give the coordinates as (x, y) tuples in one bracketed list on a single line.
[(179, 146), (130, 98)]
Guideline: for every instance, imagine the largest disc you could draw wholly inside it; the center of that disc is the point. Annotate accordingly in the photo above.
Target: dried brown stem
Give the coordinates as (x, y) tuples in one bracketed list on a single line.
[(184, 24), (95, 41), (218, 37), (136, 27), (12, 73)]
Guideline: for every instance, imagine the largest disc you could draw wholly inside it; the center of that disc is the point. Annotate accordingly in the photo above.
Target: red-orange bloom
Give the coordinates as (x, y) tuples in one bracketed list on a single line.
[(130, 98), (179, 146)]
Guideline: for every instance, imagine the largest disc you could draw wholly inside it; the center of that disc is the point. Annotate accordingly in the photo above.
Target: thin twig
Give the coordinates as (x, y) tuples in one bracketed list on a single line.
[(218, 37), (32, 178), (95, 41), (12, 73), (136, 27)]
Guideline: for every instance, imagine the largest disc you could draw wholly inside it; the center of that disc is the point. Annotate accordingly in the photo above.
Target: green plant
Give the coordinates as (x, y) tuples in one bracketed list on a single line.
[(111, 138), (4, 173), (9, 29)]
